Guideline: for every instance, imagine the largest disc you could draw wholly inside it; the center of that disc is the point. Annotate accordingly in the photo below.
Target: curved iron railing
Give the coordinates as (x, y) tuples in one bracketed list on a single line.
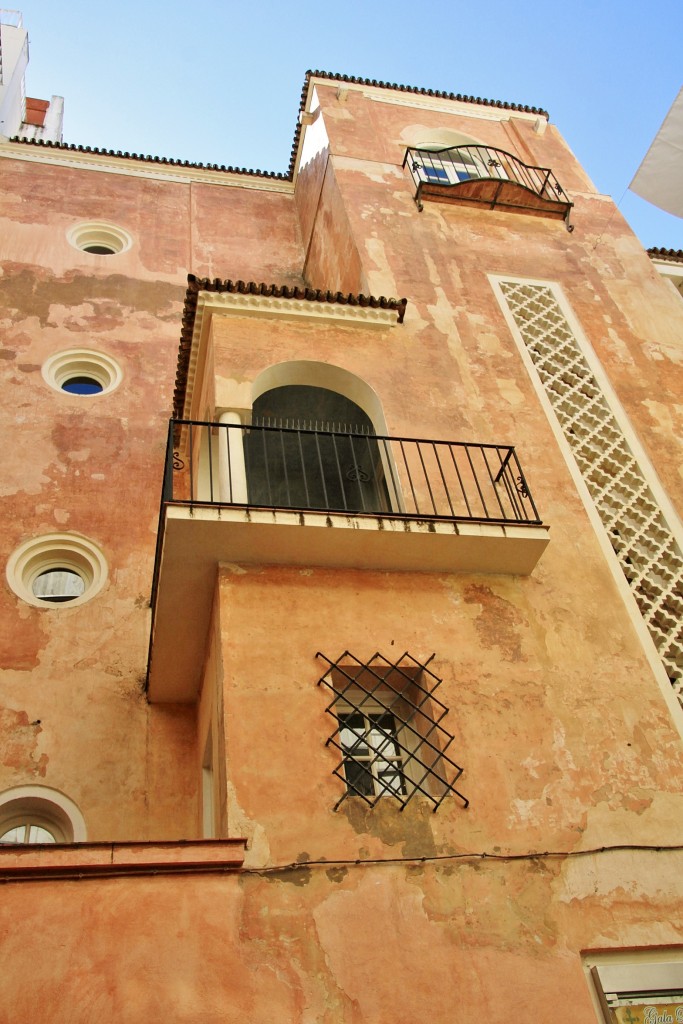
[(455, 165)]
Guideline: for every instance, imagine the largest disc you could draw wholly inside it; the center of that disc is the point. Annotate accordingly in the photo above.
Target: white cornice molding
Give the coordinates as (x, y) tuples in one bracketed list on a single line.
[(223, 304), (103, 163), (239, 304), (438, 104)]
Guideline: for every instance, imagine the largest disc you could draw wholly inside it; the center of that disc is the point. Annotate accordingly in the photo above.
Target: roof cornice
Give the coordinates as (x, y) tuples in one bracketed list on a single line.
[(669, 255), (227, 174), (95, 158), (417, 90), (204, 297)]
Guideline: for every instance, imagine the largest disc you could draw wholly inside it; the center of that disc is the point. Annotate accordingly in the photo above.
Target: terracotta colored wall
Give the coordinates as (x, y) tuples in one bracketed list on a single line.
[(533, 711), (351, 943), (327, 945), (94, 466), (440, 259), (332, 258), (565, 738)]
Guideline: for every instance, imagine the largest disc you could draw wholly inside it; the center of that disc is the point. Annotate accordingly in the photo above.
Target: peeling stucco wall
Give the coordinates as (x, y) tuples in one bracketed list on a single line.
[(568, 747)]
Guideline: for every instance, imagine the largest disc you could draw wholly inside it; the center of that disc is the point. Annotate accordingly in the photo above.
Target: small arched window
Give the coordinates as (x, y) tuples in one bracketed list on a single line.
[(38, 814), (449, 157)]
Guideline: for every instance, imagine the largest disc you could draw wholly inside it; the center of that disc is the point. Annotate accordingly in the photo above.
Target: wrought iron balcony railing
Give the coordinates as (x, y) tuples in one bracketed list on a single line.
[(308, 469), (301, 495), (482, 175)]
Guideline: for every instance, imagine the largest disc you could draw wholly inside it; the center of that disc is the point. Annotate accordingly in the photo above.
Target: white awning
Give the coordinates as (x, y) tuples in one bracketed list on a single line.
[(659, 179)]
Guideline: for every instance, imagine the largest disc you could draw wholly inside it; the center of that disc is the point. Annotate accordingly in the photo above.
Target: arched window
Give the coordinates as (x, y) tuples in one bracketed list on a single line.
[(38, 814), (313, 448), (451, 157)]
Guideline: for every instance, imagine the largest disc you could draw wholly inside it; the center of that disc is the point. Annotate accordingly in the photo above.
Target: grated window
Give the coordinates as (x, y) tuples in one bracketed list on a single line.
[(641, 538), (388, 729)]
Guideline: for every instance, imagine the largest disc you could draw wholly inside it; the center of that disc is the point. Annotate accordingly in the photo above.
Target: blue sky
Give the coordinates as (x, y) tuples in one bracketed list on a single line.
[(221, 81)]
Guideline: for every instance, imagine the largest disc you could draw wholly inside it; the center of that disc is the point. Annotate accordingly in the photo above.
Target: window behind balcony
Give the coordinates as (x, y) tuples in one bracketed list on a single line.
[(312, 448)]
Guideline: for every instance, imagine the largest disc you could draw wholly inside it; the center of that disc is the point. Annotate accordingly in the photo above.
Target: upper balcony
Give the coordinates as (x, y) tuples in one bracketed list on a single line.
[(483, 176), (299, 495)]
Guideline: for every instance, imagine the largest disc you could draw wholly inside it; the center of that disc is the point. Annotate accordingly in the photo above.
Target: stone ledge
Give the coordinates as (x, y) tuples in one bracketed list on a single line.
[(84, 860)]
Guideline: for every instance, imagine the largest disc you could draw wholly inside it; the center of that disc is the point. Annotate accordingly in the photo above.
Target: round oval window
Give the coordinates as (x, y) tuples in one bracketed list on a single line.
[(82, 386), (99, 238), (80, 371), (58, 585), (99, 250)]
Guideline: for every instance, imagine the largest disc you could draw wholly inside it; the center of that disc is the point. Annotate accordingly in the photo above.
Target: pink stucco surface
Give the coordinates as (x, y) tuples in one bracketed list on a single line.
[(570, 750)]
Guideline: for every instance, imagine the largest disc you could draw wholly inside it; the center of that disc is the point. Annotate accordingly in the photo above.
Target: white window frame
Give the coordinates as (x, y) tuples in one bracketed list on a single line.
[(367, 708), (45, 807)]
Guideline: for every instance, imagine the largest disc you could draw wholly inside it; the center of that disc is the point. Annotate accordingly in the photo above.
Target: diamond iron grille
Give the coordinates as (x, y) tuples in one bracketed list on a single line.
[(642, 540), (388, 729)]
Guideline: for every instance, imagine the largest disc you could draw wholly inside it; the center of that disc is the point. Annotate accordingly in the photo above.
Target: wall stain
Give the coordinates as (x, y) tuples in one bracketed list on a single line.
[(20, 743), (388, 822), (21, 647), (498, 621), (337, 874), (293, 876), (32, 293)]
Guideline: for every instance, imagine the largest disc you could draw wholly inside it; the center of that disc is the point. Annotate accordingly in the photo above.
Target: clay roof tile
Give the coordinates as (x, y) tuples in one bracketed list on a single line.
[(197, 284)]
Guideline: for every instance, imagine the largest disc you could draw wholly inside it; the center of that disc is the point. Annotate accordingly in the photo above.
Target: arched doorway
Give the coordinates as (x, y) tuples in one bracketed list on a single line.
[(310, 447)]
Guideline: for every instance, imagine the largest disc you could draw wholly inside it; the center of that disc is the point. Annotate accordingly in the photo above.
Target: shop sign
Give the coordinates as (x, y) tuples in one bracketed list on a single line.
[(648, 1013)]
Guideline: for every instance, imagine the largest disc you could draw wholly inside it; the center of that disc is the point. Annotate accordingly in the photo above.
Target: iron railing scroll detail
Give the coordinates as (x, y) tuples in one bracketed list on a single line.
[(492, 177)]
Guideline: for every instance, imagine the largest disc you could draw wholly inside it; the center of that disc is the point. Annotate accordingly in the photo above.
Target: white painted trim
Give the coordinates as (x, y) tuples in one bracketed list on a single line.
[(101, 162), (50, 803), (210, 304), (655, 968), (439, 104), (77, 362), (671, 271), (70, 551), (649, 473), (102, 233), (237, 304)]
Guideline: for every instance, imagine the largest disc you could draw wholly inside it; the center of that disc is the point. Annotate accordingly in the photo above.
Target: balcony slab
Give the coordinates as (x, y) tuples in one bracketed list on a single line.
[(198, 539), (496, 194)]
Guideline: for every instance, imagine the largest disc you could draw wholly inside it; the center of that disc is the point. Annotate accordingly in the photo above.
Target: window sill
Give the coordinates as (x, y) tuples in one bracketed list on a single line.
[(88, 860)]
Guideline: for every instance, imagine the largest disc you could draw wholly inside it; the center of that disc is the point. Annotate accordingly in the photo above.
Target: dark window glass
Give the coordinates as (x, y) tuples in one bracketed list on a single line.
[(313, 448), (82, 386), (373, 761)]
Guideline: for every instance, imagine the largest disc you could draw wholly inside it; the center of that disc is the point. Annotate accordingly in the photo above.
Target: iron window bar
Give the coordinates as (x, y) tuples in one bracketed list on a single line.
[(452, 166), (398, 744), (346, 471)]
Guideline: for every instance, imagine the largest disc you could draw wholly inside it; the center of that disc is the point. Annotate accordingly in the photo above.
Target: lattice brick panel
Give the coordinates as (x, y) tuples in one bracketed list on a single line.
[(638, 532)]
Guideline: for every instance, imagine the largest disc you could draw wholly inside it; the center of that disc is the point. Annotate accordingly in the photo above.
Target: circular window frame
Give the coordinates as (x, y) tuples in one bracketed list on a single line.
[(82, 362), (55, 551), (99, 232), (43, 806)]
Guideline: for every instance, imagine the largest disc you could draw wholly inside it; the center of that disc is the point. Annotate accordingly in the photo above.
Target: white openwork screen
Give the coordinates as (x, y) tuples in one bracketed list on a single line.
[(638, 532)]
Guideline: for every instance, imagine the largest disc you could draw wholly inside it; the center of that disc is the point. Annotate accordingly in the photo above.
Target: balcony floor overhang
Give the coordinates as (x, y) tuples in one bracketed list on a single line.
[(495, 194), (197, 539)]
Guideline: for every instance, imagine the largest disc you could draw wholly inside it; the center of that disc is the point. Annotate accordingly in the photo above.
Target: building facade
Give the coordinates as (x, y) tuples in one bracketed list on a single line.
[(342, 643)]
